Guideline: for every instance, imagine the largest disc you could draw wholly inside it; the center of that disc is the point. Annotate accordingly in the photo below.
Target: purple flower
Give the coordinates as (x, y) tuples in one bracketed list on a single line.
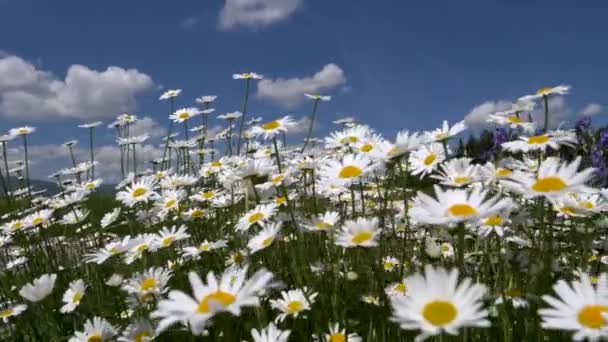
[(597, 158), (603, 140), (500, 136), (583, 124)]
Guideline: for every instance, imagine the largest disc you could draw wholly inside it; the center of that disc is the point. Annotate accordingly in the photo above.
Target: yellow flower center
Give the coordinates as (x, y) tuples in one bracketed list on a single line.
[(295, 306), (462, 180), (23, 131), (350, 171), (38, 220), (337, 337), (323, 225), (401, 288), (514, 119), (362, 237), (493, 221), (204, 246), (77, 297), (430, 159), (588, 205), (218, 298), (445, 248), (502, 172), (280, 200), (568, 210), (439, 312), (366, 148), (141, 337), (170, 203), (277, 179), (513, 292), (142, 247), (538, 139), (95, 338), (549, 184), (17, 225), (462, 210), (168, 240), (268, 241), (271, 125), (114, 250), (148, 284), (389, 265), (6, 313), (208, 194), (183, 115), (197, 213), (90, 186), (591, 316), (543, 91), (255, 217), (138, 192)]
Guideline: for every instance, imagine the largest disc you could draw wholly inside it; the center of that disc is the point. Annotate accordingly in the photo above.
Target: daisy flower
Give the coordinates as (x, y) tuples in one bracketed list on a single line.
[(458, 172), (264, 238), (270, 334), (425, 159), (537, 143), (389, 263), (350, 169), (495, 223), (25, 130), (453, 206), (407, 142), (39, 289), (206, 99), (346, 137), (258, 215), (204, 247), (228, 294), (170, 94), (336, 334), (11, 311), (362, 232), (140, 331), (148, 285), (137, 192), (318, 97), (272, 128), (323, 222), (579, 307), (167, 237), (39, 218), (561, 89), (247, 75), (184, 114), (553, 179), (440, 304), (73, 295), (95, 330), (446, 132), (206, 196), (110, 217), (397, 289), (293, 303)]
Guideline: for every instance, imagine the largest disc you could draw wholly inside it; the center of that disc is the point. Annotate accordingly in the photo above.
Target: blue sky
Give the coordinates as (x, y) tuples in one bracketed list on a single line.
[(402, 64)]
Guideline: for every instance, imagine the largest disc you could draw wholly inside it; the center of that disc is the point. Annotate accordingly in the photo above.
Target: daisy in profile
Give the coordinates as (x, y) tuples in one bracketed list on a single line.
[(73, 295), (553, 179), (580, 307), (336, 334), (440, 304), (362, 232), (140, 331), (206, 99), (148, 285), (39, 218), (272, 128), (25, 130), (293, 303), (110, 217), (350, 169), (540, 142), (206, 196), (247, 75), (407, 142), (453, 206), (324, 222), (204, 247), (169, 94), (95, 330), (458, 172), (446, 132), (270, 334), (39, 289), (264, 238), (318, 97), (166, 237), (138, 192), (561, 89), (184, 114), (426, 159), (12, 311), (496, 223), (258, 215), (229, 293), (399, 288)]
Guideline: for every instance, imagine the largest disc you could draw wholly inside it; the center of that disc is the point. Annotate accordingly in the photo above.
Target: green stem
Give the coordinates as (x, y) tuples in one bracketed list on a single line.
[(244, 113), (310, 126)]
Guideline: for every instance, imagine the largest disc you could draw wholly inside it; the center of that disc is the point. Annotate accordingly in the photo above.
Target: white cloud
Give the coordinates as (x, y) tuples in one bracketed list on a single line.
[(147, 126), (256, 13), (477, 116), (290, 92), (27, 92), (591, 109)]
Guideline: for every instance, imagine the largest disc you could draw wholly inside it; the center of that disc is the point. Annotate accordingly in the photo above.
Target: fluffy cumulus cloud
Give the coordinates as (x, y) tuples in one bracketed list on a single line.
[(27, 92), (591, 109), (147, 126), (479, 114), (289, 92), (256, 13)]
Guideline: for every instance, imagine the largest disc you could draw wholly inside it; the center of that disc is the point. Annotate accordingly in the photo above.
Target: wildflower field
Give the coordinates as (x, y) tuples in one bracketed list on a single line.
[(241, 236)]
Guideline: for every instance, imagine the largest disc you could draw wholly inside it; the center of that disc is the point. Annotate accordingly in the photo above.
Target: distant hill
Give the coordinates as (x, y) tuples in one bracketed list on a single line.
[(52, 187)]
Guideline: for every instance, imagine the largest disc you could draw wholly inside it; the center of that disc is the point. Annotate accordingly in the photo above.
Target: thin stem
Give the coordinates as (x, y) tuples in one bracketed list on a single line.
[(310, 126), (163, 164), (276, 153), (546, 100), (461, 246), (244, 112), (92, 157), (8, 176), (27, 168)]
